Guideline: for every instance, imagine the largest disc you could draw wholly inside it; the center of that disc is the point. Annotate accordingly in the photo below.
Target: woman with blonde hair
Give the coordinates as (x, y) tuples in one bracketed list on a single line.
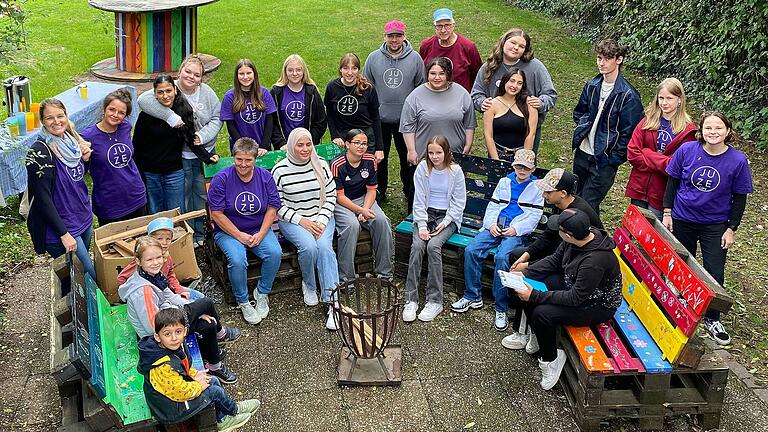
[(248, 108), (60, 216), (298, 101), (665, 127), (352, 103)]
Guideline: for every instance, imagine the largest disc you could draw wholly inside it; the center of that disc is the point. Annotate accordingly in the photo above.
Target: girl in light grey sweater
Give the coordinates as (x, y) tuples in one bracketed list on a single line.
[(438, 208)]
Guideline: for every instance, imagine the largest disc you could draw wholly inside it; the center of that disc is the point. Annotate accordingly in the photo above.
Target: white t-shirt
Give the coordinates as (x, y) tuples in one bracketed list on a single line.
[(438, 189), (588, 144)]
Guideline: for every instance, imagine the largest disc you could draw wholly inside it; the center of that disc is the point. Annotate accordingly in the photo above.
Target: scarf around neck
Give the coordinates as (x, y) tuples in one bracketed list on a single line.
[(159, 280), (65, 147)]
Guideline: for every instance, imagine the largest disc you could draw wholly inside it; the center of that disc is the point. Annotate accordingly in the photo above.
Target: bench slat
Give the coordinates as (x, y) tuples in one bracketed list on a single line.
[(621, 359), (668, 338), (697, 294), (640, 340), (591, 353), (456, 239), (681, 314)]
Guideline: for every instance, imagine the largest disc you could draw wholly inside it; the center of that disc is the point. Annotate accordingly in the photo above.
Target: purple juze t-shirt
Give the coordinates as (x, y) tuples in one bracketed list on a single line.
[(707, 183), (249, 121), (70, 197), (292, 109), (117, 185), (243, 203)]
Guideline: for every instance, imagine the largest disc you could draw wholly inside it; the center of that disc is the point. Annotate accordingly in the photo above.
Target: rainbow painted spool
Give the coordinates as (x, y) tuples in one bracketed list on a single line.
[(155, 41), (152, 37)]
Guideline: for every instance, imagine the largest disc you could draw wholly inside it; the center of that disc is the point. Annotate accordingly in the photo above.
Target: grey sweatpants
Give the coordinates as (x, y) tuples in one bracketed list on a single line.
[(434, 249), (348, 229)]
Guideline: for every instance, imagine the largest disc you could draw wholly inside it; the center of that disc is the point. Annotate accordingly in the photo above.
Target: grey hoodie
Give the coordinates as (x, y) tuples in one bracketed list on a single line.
[(139, 293), (393, 78), (538, 82)]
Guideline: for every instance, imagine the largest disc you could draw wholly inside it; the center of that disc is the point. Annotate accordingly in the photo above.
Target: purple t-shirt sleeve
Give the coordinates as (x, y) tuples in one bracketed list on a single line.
[(217, 193), (743, 179), (269, 101), (675, 166), (273, 197), (226, 106)]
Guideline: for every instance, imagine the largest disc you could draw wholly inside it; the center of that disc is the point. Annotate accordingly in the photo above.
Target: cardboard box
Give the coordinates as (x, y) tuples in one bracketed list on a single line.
[(109, 265)]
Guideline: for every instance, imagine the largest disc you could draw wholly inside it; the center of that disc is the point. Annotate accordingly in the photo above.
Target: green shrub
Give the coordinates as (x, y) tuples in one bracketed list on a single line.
[(12, 33), (719, 50)]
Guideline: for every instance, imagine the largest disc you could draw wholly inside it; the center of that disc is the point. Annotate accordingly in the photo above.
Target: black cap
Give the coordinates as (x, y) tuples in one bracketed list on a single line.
[(573, 221)]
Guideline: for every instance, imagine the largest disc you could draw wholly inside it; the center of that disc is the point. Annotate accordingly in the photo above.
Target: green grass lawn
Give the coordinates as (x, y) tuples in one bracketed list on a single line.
[(66, 38)]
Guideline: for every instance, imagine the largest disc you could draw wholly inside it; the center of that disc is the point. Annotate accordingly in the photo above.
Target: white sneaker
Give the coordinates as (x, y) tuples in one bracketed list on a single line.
[(515, 341), (430, 311), (331, 323), (249, 313), (550, 371), (532, 347), (310, 295), (262, 304), (409, 311)]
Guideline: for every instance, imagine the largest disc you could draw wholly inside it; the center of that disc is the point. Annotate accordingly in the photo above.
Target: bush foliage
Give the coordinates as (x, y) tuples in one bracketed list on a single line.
[(719, 50), (12, 33)]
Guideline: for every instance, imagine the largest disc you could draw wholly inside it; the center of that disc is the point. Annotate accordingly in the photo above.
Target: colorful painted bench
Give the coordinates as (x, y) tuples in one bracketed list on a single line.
[(482, 175), (647, 362)]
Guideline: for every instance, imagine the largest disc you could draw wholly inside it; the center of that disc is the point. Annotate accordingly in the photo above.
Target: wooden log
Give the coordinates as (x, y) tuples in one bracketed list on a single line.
[(143, 229), (358, 324)]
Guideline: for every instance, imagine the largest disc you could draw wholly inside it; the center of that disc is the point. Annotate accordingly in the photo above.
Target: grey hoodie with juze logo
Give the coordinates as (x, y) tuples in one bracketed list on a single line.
[(394, 78)]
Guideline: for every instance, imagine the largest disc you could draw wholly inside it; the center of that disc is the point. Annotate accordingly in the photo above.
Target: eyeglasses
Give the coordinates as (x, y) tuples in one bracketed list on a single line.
[(359, 143), (443, 26)]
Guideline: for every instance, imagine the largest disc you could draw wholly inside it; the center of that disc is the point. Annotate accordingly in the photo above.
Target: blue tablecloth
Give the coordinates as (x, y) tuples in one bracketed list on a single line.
[(82, 112)]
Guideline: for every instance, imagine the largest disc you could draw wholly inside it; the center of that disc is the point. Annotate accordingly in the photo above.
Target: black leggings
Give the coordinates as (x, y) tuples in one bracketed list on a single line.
[(205, 331)]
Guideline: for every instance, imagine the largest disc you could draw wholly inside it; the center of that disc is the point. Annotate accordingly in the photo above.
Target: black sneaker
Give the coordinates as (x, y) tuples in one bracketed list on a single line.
[(222, 353), (231, 334), (717, 331), (224, 375)]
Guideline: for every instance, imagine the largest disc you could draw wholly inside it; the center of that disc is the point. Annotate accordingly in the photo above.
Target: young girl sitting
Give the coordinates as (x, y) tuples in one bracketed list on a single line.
[(147, 291), (438, 206), (175, 391), (161, 229)]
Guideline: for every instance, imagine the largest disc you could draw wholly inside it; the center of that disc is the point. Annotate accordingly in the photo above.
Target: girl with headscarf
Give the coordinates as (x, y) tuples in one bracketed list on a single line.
[(308, 196)]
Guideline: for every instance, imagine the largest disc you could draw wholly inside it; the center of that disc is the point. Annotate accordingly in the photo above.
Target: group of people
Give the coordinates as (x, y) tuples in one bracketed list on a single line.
[(427, 102)]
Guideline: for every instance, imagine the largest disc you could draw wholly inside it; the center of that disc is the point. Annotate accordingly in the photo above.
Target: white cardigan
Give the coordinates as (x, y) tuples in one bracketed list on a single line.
[(457, 192)]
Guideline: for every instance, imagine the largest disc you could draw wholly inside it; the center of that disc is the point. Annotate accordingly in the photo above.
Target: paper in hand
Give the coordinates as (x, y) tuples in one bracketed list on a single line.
[(513, 281)]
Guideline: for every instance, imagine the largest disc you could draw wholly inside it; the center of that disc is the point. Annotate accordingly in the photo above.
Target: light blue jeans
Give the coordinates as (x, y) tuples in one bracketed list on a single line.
[(165, 191), (268, 250), (314, 254), (194, 194), (475, 254), (56, 250)]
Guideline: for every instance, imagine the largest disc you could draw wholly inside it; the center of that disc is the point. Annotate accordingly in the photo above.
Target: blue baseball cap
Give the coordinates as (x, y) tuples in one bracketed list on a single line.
[(161, 223), (442, 14)]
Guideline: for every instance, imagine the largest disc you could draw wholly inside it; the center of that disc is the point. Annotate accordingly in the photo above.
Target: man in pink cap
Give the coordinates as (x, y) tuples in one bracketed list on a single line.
[(448, 43), (395, 69)]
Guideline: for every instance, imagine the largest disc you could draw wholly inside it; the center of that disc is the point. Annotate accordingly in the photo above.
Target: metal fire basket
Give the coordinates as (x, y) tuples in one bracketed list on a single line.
[(366, 312)]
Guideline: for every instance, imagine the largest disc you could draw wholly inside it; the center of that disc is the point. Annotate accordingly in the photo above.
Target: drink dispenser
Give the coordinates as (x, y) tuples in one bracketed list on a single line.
[(17, 93)]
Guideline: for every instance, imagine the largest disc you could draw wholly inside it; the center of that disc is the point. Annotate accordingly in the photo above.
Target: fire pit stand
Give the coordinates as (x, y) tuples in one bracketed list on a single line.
[(366, 313)]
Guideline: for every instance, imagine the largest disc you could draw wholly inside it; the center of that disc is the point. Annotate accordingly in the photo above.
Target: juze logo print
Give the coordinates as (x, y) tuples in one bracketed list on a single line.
[(77, 172), (705, 178), (247, 203), (393, 77), (347, 105), (249, 114), (119, 155), (294, 110)]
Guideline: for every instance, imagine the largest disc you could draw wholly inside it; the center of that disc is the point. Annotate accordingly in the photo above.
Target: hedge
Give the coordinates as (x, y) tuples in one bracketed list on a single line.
[(719, 50)]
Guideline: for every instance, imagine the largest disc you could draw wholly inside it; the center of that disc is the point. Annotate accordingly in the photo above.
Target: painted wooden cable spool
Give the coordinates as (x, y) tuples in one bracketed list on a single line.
[(151, 37)]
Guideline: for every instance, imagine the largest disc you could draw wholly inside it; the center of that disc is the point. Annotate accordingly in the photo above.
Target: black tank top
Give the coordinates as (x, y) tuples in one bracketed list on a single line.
[(508, 133)]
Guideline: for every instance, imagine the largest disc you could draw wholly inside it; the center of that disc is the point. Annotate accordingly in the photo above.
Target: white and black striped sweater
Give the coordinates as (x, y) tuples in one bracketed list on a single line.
[(300, 192)]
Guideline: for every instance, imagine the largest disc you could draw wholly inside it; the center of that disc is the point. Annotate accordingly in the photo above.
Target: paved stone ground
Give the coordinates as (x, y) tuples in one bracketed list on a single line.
[(456, 375)]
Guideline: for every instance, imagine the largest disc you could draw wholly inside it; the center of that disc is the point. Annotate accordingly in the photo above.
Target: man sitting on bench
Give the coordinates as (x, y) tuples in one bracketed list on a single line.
[(559, 187), (584, 282), (513, 213)]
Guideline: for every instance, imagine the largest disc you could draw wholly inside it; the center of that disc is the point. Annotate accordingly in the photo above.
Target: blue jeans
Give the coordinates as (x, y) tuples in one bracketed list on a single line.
[(268, 250), (56, 250), (221, 401), (165, 191), (314, 253), (194, 192), (475, 254), (194, 294)]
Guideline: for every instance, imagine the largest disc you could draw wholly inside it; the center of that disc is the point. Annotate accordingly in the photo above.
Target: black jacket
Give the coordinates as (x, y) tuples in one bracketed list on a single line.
[(165, 410), (591, 274), (315, 120), (549, 240), (157, 146), (41, 178)]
